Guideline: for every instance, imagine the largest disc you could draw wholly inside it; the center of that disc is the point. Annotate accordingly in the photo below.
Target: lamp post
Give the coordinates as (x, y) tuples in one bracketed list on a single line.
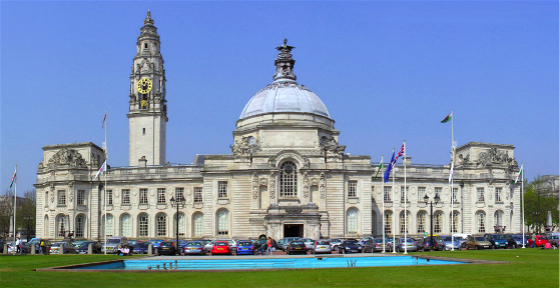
[(176, 203), (436, 199), (28, 219)]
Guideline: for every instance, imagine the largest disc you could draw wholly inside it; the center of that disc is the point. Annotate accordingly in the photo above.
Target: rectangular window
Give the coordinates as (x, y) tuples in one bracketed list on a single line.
[(161, 195), (179, 193), (80, 200), (402, 194), (421, 194), (498, 194), (222, 189), (125, 197), (455, 192), (109, 197), (387, 194), (480, 194), (143, 131), (352, 188), (46, 198), (143, 196), (197, 194), (61, 197), (438, 192)]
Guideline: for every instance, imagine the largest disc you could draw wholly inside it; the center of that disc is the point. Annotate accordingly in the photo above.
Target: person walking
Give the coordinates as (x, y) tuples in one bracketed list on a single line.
[(18, 245), (42, 247), (269, 245)]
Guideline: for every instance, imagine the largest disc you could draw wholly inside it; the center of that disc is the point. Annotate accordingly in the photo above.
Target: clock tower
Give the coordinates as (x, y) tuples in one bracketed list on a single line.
[(147, 112)]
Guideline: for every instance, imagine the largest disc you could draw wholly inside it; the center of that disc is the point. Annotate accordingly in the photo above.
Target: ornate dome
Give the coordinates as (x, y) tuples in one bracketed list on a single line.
[(284, 94)]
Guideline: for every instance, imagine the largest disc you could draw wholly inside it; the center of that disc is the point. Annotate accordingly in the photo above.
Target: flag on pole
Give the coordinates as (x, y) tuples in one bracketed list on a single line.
[(447, 118), (103, 123), (378, 170), (391, 164), (401, 153), (103, 168), (451, 172), (13, 178), (519, 176)]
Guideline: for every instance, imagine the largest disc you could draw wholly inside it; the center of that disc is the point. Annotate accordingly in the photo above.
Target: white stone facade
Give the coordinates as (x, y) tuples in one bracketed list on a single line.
[(287, 176)]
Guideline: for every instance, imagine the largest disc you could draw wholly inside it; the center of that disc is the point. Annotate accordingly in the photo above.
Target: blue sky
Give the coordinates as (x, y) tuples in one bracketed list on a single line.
[(387, 71)]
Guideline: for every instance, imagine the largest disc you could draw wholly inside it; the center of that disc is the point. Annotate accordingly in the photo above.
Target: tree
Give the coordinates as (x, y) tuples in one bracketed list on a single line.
[(6, 212), (26, 212), (539, 199)]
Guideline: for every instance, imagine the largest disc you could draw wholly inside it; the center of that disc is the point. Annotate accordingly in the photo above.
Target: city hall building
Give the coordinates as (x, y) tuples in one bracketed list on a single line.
[(287, 175)]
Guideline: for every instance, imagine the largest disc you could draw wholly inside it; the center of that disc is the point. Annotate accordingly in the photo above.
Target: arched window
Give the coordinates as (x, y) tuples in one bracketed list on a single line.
[(498, 218), (126, 225), (438, 222), (223, 222), (161, 224), (46, 229), (352, 221), (454, 221), (288, 179), (388, 222), (181, 224), (143, 222), (402, 222), (80, 225), (480, 220), (421, 221), (110, 226), (198, 221), (61, 226)]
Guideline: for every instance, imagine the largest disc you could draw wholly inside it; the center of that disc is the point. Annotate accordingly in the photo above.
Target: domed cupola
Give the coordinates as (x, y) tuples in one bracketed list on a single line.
[(284, 95)]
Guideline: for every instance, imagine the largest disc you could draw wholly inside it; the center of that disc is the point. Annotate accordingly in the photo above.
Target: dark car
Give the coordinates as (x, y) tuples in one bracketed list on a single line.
[(373, 245), (515, 240), (283, 243), (349, 246), (497, 240), (427, 245), (260, 246), (82, 248), (141, 248), (296, 246), (167, 248)]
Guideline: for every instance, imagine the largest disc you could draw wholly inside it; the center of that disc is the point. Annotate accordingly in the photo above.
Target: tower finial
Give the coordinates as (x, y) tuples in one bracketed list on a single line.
[(149, 19), (284, 63)]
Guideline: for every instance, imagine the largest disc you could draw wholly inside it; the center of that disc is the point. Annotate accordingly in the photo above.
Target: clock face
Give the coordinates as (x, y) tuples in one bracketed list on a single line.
[(144, 85)]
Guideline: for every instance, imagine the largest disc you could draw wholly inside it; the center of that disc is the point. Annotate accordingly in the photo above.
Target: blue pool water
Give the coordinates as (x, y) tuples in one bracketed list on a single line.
[(290, 263)]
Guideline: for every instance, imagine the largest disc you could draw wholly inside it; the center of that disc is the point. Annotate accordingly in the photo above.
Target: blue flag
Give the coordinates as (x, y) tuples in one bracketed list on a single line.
[(388, 171)]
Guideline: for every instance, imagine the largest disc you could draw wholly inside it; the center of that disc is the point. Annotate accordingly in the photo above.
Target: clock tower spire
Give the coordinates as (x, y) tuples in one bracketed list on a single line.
[(147, 111)]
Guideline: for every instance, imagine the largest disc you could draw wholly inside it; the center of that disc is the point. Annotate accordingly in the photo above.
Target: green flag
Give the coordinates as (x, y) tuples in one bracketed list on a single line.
[(447, 118), (520, 175), (13, 178), (378, 170)]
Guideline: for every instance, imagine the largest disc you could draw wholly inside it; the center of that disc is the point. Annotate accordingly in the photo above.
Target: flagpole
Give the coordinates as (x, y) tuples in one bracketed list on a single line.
[(452, 198), (522, 203), (15, 205), (383, 203), (394, 209), (405, 198), (105, 187)]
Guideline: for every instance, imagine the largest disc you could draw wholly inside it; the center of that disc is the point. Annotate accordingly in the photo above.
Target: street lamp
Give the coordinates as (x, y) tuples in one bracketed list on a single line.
[(176, 203), (436, 199), (28, 219)]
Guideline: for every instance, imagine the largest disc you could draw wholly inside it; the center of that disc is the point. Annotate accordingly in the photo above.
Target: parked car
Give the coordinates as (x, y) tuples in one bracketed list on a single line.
[(553, 239), (82, 248), (68, 248), (113, 244), (349, 246), (515, 240), (283, 243), (310, 243), (221, 247), (141, 247), (208, 247), (374, 245), (451, 243), (335, 243), (167, 248), (478, 243), (410, 245), (427, 244), (462, 238), (418, 242), (540, 240), (260, 246), (194, 248), (364, 240), (321, 246), (497, 240), (245, 247), (296, 246)]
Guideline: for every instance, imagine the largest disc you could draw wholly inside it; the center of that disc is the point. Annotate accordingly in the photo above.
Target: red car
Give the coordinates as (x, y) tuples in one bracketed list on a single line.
[(539, 240), (221, 247)]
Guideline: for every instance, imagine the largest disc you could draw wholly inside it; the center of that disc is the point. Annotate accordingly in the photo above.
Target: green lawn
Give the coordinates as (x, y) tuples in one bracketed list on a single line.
[(533, 268)]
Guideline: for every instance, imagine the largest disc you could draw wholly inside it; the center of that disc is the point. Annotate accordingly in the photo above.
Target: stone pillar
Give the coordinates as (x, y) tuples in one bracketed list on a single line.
[(150, 249), (33, 252), (90, 249), (61, 250), (5, 249)]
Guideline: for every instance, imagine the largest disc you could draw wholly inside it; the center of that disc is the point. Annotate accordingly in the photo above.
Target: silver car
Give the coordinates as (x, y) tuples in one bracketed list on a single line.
[(194, 247), (309, 243), (321, 246), (455, 244), (334, 243)]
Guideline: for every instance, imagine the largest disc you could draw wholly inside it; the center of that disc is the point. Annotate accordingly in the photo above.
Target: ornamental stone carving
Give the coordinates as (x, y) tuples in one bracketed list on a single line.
[(294, 210), (246, 147), (305, 185), (323, 186), (465, 160), (41, 166), (330, 146), (272, 185), (94, 162), (255, 186), (67, 157), (263, 181), (495, 157), (289, 154)]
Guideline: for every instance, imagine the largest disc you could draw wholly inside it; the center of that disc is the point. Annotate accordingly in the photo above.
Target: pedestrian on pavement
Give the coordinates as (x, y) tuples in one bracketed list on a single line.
[(269, 245), (18, 245)]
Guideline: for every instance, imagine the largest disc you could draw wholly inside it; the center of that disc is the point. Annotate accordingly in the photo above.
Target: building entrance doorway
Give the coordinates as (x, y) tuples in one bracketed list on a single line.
[(293, 230)]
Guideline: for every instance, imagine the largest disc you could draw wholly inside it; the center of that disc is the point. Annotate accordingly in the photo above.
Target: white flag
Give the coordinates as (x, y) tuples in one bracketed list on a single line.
[(103, 168)]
